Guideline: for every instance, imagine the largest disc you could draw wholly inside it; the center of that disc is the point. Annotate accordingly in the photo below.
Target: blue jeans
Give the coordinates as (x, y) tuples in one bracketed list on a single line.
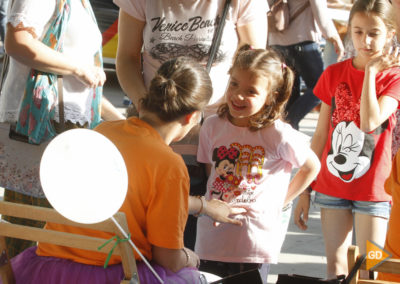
[(378, 209), (3, 18), (305, 60)]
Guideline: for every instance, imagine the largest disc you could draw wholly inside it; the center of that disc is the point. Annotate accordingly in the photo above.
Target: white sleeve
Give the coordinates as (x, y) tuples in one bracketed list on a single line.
[(134, 8), (31, 14), (204, 151), (295, 147)]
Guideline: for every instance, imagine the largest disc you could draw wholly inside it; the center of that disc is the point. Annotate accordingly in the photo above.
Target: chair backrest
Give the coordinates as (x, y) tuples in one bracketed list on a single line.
[(61, 238), (390, 265)]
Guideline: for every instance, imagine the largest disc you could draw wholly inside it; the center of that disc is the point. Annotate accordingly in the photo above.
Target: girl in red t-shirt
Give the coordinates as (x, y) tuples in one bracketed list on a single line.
[(353, 137)]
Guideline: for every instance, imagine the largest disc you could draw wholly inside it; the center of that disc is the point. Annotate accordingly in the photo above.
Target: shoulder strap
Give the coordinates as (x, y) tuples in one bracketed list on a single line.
[(299, 11), (217, 37)]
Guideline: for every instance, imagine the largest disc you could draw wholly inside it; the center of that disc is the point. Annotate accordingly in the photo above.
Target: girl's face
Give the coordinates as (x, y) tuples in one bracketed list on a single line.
[(245, 96), (369, 35)]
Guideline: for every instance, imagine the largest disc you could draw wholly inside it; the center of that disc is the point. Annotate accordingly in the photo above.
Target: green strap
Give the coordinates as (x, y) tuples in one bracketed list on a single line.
[(117, 241)]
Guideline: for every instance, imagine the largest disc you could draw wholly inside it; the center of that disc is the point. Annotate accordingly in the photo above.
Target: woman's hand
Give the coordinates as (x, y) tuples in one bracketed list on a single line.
[(220, 211), (91, 76), (301, 211)]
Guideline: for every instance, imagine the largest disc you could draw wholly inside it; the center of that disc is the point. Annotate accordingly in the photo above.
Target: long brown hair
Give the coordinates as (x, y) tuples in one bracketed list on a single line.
[(179, 87), (381, 8), (268, 64)]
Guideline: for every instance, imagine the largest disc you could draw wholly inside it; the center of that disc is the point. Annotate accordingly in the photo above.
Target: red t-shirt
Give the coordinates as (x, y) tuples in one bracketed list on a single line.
[(354, 164)]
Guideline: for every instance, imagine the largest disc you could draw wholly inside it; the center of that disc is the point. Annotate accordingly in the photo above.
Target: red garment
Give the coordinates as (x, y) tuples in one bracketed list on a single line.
[(354, 164)]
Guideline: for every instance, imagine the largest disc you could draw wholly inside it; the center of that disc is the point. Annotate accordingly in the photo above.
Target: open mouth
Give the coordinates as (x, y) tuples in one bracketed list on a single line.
[(347, 175), (237, 107)]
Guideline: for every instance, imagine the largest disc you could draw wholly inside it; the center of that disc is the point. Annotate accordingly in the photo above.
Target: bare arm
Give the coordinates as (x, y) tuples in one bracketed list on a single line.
[(325, 23), (25, 48), (128, 63), (254, 33), (108, 111), (374, 111), (304, 176), (175, 259)]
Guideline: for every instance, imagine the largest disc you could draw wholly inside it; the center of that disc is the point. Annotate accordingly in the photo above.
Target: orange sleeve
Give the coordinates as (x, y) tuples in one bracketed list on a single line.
[(168, 209)]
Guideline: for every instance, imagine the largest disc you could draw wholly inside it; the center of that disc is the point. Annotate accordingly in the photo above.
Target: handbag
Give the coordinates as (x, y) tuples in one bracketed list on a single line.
[(279, 15), (301, 279)]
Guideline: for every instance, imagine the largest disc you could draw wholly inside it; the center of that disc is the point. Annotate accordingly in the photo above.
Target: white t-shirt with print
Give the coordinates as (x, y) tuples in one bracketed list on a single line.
[(249, 169), (174, 28), (82, 40)]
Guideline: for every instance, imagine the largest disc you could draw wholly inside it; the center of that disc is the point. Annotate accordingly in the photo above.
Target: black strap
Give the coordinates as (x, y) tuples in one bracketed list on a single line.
[(61, 102), (355, 268), (217, 37), (4, 69)]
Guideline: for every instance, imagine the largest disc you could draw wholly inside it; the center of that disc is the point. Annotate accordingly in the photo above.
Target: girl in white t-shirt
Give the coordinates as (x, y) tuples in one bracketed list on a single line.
[(259, 151)]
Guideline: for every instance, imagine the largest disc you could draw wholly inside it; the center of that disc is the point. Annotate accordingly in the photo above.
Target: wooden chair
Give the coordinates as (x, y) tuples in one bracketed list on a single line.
[(390, 265), (61, 238)]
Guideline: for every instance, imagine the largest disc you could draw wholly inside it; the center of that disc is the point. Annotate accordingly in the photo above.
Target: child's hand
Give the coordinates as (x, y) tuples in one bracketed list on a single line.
[(301, 211), (388, 59), (220, 211)]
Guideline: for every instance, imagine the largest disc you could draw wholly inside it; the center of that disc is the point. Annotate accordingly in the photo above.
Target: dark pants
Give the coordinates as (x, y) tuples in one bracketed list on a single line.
[(306, 61), (224, 269), (198, 184)]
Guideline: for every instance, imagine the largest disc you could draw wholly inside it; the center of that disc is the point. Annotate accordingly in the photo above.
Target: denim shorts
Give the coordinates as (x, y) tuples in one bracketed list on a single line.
[(378, 209)]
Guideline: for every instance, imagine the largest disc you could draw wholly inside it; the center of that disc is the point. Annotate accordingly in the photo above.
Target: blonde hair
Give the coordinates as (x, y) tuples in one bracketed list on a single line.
[(268, 64)]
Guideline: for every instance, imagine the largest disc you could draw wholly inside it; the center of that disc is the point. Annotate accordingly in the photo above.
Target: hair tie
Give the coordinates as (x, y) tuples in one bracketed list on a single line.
[(283, 66)]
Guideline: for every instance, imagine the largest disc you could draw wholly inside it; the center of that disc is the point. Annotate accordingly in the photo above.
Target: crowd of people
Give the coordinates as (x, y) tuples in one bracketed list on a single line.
[(213, 152)]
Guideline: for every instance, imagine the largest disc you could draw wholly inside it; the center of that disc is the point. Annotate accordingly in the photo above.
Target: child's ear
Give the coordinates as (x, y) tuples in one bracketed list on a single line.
[(193, 117)]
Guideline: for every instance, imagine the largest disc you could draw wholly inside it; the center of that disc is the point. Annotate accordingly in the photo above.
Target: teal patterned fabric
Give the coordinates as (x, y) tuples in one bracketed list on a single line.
[(38, 106)]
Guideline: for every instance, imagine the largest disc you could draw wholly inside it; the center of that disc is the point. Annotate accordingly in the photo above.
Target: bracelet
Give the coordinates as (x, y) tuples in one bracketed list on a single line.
[(187, 257), (202, 207)]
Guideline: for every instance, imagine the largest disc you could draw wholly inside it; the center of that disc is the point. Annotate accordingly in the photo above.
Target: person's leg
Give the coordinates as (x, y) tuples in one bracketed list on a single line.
[(337, 226), (309, 65), (371, 220)]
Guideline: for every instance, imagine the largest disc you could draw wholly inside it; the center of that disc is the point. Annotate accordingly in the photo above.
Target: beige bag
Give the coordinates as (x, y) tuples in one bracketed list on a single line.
[(279, 15)]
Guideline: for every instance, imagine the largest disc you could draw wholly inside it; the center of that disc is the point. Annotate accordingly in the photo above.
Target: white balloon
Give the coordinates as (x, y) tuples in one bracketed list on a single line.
[(84, 176)]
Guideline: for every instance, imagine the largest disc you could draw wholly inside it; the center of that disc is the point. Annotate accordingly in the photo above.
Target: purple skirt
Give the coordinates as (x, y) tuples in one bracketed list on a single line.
[(28, 268)]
